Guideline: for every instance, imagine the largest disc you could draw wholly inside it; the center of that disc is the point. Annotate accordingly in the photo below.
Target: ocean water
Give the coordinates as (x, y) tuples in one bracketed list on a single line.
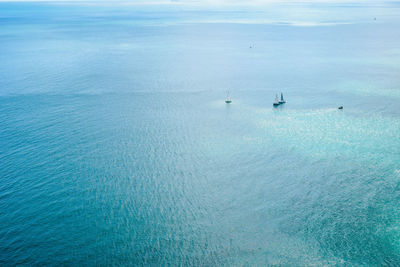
[(116, 146)]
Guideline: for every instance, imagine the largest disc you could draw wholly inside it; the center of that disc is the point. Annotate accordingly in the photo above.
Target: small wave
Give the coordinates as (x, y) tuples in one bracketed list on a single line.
[(266, 22)]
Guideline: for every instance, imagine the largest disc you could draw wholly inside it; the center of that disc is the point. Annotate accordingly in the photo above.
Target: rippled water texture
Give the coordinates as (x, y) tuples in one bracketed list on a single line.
[(116, 146)]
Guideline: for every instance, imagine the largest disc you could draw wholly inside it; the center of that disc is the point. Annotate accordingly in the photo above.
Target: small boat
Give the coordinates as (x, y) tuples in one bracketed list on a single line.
[(282, 101), (276, 102), (341, 107), (228, 99)]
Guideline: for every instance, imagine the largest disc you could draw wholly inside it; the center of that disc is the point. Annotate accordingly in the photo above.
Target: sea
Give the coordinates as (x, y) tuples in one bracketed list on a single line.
[(117, 148)]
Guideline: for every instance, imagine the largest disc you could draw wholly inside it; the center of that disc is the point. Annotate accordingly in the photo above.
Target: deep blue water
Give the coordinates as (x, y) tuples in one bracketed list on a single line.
[(116, 146)]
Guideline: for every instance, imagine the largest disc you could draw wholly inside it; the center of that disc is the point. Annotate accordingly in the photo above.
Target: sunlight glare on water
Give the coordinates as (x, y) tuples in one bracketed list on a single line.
[(116, 146)]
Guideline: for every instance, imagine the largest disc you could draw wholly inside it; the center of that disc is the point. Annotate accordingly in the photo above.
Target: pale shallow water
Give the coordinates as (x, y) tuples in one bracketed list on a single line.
[(116, 146)]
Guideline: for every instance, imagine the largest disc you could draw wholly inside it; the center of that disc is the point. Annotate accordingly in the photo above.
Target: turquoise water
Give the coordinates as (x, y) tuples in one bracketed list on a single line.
[(116, 146)]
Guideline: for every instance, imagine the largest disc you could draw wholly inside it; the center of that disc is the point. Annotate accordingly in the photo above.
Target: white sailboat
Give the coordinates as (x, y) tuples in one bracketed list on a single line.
[(276, 102), (228, 99), (282, 101)]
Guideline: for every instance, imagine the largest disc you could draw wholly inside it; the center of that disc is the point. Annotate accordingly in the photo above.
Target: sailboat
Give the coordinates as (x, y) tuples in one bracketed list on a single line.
[(276, 102), (282, 101), (228, 99)]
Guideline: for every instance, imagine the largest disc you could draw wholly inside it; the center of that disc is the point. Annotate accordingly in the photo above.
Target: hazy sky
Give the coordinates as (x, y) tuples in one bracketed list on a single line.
[(197, 2)]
